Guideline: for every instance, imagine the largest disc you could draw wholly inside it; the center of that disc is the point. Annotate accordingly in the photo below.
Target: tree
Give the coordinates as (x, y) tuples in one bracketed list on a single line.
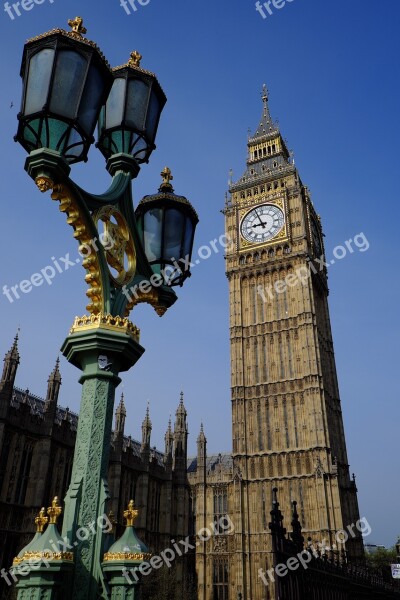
[(379, 562)]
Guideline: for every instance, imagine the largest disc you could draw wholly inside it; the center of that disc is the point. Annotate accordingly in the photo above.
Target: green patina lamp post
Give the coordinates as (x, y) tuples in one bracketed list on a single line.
[(68, 87)]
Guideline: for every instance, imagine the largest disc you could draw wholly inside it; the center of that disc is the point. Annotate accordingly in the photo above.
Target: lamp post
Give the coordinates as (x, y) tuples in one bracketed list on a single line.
[(68, 87)]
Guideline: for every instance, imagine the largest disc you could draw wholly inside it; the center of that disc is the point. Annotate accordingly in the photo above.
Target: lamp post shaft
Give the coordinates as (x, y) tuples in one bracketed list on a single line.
[(101, 350), (86, 499)]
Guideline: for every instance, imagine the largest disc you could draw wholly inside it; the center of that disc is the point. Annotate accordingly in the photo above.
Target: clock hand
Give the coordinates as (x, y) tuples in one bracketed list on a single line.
[(259, 218)]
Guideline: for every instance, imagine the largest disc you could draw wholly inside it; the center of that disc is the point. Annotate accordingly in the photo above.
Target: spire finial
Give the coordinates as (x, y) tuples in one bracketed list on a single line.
[(264, 94)]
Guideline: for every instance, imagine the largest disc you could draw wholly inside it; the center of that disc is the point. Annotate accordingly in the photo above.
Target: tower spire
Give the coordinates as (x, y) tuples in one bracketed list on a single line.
[(53, 385), (169, 441), (120, 416), (146, 429), (266, 125), (180, 436), (11, 362)]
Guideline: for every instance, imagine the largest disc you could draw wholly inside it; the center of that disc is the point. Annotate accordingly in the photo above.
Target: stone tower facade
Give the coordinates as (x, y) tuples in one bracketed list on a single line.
[(287, 428)]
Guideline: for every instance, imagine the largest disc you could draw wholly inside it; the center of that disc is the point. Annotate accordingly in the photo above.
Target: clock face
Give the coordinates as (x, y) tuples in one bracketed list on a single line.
[(262, 223)]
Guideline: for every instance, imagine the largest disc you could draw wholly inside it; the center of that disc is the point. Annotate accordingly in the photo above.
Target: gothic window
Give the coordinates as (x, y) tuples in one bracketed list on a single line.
[(260, 428), (132, 488), (4, 458), (270, 253), (220, 579), (242, 260), (308, 464), (290, 356), (265, 370), (24, 471), (242, 195), (248, 193), (264, 151), (269, 149), (286, 250), (220, 508), (273, 148), (192, 513), (270, 467), (67, 475), (264, 511), (275, 164)]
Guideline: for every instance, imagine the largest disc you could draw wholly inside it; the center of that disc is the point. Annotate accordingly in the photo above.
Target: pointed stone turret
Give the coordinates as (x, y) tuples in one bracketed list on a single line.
[(201, 453), (53, 386), (180, 436), (11, 362), (146, 431), (169, 443), (120, 416)]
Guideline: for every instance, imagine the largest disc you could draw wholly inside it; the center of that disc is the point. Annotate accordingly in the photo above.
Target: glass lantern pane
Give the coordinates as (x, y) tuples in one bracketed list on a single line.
[(115, 104), (91, 98), (153, 233), (187, 245), (153, 117), (68, 82), (57, 138), (173, 233), (136, 104), (40, 68), (140, 149)]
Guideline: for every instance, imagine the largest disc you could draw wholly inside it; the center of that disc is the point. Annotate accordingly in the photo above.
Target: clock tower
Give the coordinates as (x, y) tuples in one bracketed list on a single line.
[(287, 425)]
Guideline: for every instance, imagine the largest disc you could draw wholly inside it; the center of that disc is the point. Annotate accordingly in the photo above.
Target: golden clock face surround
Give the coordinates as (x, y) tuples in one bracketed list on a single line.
[(260, 219)]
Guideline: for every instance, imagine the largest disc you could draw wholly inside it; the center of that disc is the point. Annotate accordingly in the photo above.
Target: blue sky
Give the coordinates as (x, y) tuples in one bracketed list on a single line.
[(332, 71)]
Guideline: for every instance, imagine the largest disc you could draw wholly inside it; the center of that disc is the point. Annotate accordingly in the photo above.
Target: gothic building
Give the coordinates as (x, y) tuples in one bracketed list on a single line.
[(287, 428), (37, 438)]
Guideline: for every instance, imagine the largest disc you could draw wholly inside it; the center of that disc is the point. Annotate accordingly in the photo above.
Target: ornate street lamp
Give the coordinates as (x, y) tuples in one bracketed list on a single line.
[(129, 120), (66, 79), (167, 223), (67, 86)]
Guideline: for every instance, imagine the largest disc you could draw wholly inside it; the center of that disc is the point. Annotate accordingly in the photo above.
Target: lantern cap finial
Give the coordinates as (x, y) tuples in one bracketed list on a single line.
[(41, 520), (135, 59), (77, 26), (54, 511), (130, 514), (167, 176)]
